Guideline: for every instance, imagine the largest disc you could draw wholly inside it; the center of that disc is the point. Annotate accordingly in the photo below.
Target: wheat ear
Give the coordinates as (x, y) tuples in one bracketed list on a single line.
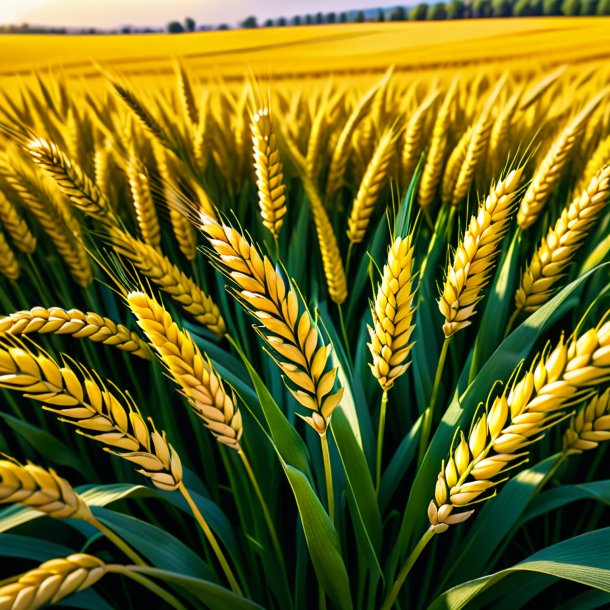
[(589, 427), (297, 345), (374, 179), (454, 165), (549, 171), (16, 227), (187, 97), (96, 412), (43, 490), (433, 167), (500, 128), (51, 582), (9, 267), (555, 252), (414, 134), (474, 258), (393, 312), (516, 420), (195, 375), (268, 168), (47, 211), (78, 324), (599, 159), (338, 161), (477, 144), (141, 196)]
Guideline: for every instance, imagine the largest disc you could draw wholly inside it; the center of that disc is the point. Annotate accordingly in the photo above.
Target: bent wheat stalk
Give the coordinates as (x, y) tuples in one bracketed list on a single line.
[(76, 323)]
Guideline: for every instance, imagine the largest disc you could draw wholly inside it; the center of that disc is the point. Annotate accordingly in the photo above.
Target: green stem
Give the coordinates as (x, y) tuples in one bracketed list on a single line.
[(561, 458), (348, 258), (133, 573), (267, 516), (429, 412), (328, 475), (117, 541), (511, 322), (404, 571), (428, 218), (344, 335), (211, 538), (380, 430)]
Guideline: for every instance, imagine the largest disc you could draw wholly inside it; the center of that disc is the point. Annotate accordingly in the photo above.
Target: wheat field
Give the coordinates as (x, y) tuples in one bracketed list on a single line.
[(332, 302)]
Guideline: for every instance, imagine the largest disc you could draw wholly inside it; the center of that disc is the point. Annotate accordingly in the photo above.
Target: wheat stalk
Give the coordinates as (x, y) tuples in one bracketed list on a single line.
[(195, 375), (549, 170), (474, 258), (557, 249), (43, 490), (78, 324), (297, 345), (95, 411), (393, 312), (516, 420), (431, 174), (51, 582), (590, 426), (373, 181), (9, 267), (16, 227), (268, 167)]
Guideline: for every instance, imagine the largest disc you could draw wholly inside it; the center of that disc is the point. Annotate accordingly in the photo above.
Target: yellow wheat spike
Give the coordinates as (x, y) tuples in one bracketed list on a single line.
[(557, 249), (297, 345), (9, 267), (590, 426), (473, 262), (15, 226), (454, 165)]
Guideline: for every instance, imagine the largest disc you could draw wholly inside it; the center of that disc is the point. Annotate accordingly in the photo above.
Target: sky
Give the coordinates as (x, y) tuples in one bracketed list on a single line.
[(113, 13)]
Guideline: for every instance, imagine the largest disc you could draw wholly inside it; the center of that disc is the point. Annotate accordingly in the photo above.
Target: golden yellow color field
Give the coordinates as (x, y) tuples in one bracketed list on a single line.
[(318, 50)]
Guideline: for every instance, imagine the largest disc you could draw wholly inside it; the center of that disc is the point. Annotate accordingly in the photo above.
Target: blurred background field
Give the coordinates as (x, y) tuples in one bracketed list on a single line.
[(317, 51)]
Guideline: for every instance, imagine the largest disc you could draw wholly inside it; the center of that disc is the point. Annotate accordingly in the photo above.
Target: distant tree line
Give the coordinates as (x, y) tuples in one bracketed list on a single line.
[(455, 9)]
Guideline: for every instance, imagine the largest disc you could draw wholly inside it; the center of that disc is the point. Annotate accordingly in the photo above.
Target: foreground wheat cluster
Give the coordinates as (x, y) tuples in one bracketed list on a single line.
[(339, 344)]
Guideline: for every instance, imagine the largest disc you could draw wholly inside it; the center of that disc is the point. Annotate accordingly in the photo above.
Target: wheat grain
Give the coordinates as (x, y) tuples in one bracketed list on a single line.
[(373, 181), (393, 312), (43, 490), (474, 258), (557, 249), (500, 436), (51, 582), (297, 345), (16, 227), (96, 412), (549, 171), (454, 165), (76, 323), (200, 383), (590, 426), (268, 167)]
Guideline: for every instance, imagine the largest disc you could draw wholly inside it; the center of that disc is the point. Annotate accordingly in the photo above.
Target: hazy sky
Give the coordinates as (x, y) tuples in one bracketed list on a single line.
[(111, 13)]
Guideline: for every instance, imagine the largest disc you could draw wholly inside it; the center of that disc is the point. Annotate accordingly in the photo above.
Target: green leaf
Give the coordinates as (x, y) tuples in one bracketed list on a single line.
[(210, 594), (155, 544), (36, 549), (322, 540), (584, 559)]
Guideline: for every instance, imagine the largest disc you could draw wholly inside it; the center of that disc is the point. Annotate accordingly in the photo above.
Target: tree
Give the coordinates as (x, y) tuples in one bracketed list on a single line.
[(502, 8), (603, 7), (175, 27), (296, 20), (437, 12), (343, 17), (570, 8), (551, 7), (381, 15), (398, 14), (189, 24), (455, 9), (481, 9), (224, 26), (249, 22), (308, 19), (588, 7), (281, 22), (360, 18), (268, 23), (331, 17), (522, 8), (419, 12), (319, 17)]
